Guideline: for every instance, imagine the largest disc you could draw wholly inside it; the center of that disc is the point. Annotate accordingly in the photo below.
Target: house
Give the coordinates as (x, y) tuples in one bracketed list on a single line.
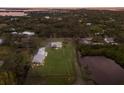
[(88, 24), (14, 33), (23, 33), (80, 21), (28, 33), (47, 17), (13, 19), (99, 33), (1, 41), (109, 40), (38, 59), (12, 29), (56, 45), (87, 40)]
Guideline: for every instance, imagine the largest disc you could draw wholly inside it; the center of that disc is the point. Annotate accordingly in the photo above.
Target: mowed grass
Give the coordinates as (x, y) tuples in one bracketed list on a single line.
[(58, 67)]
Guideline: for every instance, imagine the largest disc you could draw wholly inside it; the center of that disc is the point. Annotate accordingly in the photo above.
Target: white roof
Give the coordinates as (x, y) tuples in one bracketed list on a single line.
[(14, 33), (87, 40), (28, 33), (40, 56), (56, 44), (47, 17), (1, 41), (109, 40), (23, 33), (88, 24)]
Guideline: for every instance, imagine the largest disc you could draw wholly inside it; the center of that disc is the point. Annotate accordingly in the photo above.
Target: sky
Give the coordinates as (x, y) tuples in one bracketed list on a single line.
[(61, 3)]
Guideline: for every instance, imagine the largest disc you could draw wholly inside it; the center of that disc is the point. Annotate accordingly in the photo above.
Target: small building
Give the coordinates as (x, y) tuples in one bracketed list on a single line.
[(39, 58), (1, 41), (88, 24), (80, 20), (13, 19), (56, 45), (23, 33), (99, 33), (28, 33), (109, 40), (115, 43), (12, 29), (87, 40), (14, 33), (47, 17)]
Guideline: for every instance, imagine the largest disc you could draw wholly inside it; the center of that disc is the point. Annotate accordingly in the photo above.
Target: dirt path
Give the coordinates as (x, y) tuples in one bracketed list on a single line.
[(79, 80)]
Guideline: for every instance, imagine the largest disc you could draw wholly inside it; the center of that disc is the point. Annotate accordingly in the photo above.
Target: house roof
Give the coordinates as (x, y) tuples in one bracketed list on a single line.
[(24, 33), (109, 39), (86, 40), (40, 56), (57, 44), (47, 17), (88, 24), (14, 33), (28, 33), (1, 41)]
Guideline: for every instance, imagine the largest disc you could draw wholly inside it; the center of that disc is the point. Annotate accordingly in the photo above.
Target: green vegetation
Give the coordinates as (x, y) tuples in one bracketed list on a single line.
[(17, 50), (7, 78), (18, 64), (58, 67), (111, 51)]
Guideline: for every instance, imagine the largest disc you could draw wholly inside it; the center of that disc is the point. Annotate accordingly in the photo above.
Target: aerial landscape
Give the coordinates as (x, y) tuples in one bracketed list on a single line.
[(62, 46)]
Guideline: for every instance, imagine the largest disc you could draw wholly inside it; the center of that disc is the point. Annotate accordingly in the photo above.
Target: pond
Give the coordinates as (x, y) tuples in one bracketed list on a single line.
[(103, 71)]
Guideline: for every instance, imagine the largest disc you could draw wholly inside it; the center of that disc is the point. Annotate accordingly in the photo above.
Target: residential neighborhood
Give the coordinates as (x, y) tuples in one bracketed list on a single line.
[(54, 46)]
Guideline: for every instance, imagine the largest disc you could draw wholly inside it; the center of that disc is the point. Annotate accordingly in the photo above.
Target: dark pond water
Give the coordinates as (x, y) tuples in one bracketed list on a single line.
[(103, 70)]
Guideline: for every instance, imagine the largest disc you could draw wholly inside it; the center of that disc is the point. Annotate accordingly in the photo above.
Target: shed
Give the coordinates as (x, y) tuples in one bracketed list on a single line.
[(47, 17), (86, 40), (40, 56), (109, 40), (1, 41), (14, 33), (88, 24), (28, 33), (56, 45)]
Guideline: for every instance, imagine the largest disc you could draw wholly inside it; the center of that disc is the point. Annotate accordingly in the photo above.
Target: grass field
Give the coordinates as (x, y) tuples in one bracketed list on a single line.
[(58, 67)]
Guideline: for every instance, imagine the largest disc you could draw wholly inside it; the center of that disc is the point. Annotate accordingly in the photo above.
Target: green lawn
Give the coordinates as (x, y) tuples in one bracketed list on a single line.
[(58, 67)]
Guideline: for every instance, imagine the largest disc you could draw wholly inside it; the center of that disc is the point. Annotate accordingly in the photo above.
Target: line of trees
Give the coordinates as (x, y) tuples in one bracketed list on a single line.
[(111, 51)]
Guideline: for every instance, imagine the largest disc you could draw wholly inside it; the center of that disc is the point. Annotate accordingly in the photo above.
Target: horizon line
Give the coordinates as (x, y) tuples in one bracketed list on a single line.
[(63, 7)]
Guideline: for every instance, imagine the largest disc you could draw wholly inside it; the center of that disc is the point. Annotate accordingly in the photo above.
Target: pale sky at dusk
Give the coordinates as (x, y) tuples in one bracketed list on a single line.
[(61, 3)]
